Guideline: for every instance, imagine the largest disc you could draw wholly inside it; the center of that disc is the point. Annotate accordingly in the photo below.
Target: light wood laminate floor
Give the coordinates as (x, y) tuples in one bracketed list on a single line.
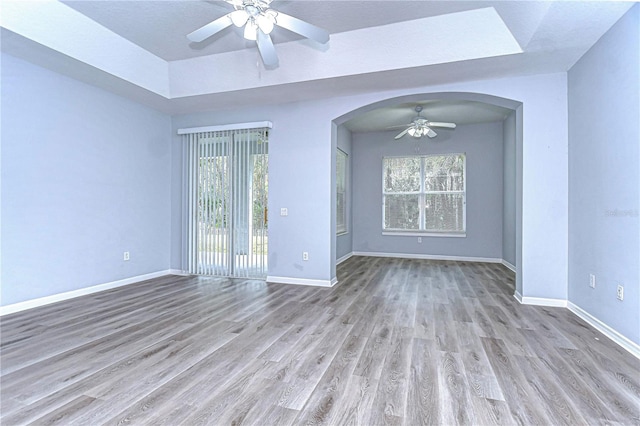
[(395, 342)]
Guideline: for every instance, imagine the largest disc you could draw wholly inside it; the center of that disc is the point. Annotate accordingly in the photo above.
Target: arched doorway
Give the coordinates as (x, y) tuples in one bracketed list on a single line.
[(511, 254)]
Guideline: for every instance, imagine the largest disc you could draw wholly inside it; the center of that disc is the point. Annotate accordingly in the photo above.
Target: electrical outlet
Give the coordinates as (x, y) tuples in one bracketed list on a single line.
[(126, 255), (305, 255), (620, 292), (284, 211), (419, 240), (592, 281)]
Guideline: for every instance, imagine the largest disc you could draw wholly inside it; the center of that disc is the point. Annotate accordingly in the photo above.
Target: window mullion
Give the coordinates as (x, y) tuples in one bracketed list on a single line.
[(444, 192), (402, 193)]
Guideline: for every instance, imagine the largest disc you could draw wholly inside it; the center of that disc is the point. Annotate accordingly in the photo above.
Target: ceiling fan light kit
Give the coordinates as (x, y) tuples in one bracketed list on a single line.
[(259, 20), (254, 18), (420, 126)]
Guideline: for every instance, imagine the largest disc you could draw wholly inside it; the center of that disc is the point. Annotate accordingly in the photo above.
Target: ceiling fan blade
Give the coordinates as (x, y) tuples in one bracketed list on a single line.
[(431, 133), (267, 50), (303, 28), (401, 134), (210, 29), (438, 124), (400, 126)]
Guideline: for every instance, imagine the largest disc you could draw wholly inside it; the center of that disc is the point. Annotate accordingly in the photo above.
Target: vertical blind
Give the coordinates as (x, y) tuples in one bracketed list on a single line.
[(225, 202)]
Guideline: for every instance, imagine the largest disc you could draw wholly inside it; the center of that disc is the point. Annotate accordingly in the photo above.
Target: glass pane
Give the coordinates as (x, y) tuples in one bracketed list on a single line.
[(341, 171), (213, 188), (341, 225), (444, 173), (402, 174), (444, 212), (259, 190), (341, 188), (401, 211)]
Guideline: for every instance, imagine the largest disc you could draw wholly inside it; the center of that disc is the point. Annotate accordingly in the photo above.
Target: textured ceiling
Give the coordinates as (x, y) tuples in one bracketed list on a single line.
[(139, 49), (161, 26), (459, 112)]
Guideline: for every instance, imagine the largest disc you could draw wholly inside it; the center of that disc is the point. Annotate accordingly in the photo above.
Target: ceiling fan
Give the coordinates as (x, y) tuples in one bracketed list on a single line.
[(259, 20), (420, 126)]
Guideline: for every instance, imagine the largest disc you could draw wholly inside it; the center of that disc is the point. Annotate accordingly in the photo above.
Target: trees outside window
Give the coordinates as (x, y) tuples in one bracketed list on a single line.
[(424, 194)]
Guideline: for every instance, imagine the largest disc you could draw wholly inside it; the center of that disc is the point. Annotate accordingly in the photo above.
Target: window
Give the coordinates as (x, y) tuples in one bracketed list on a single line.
[(341, 192), (424, 194)]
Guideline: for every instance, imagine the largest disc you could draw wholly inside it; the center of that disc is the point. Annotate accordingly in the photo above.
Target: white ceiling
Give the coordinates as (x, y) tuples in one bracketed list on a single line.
[(457, 111), (160, 26), (138, 49)]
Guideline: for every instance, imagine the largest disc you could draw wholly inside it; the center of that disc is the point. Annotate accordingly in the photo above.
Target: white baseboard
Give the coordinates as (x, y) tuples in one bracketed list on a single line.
[(540, 301), (302, 281), (508, 265), (428, 256), (179, 272), (343, 258), (34, 303), (518, 296), (632, 347)]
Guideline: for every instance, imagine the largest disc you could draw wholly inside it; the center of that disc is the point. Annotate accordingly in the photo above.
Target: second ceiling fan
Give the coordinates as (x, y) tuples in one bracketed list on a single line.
[(420, 126), (258, 20)]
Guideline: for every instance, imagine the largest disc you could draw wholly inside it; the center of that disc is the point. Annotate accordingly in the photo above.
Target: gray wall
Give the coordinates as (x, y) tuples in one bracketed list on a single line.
[(85, 177), (344, 242), (303, 144), (604, 185), (300, 179), (509, 184), (302, 147), (482, 144), (520, 242)]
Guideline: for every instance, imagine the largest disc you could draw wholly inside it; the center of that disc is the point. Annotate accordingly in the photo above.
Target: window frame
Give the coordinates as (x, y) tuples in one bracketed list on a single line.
[(422, 193), (345, 229)]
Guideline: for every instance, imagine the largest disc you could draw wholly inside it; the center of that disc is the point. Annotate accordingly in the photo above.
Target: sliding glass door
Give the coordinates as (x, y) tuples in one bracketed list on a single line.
[(226, 203)]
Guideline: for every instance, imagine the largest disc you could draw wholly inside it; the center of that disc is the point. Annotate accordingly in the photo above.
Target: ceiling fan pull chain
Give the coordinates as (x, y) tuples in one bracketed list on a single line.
[(258, 66)]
